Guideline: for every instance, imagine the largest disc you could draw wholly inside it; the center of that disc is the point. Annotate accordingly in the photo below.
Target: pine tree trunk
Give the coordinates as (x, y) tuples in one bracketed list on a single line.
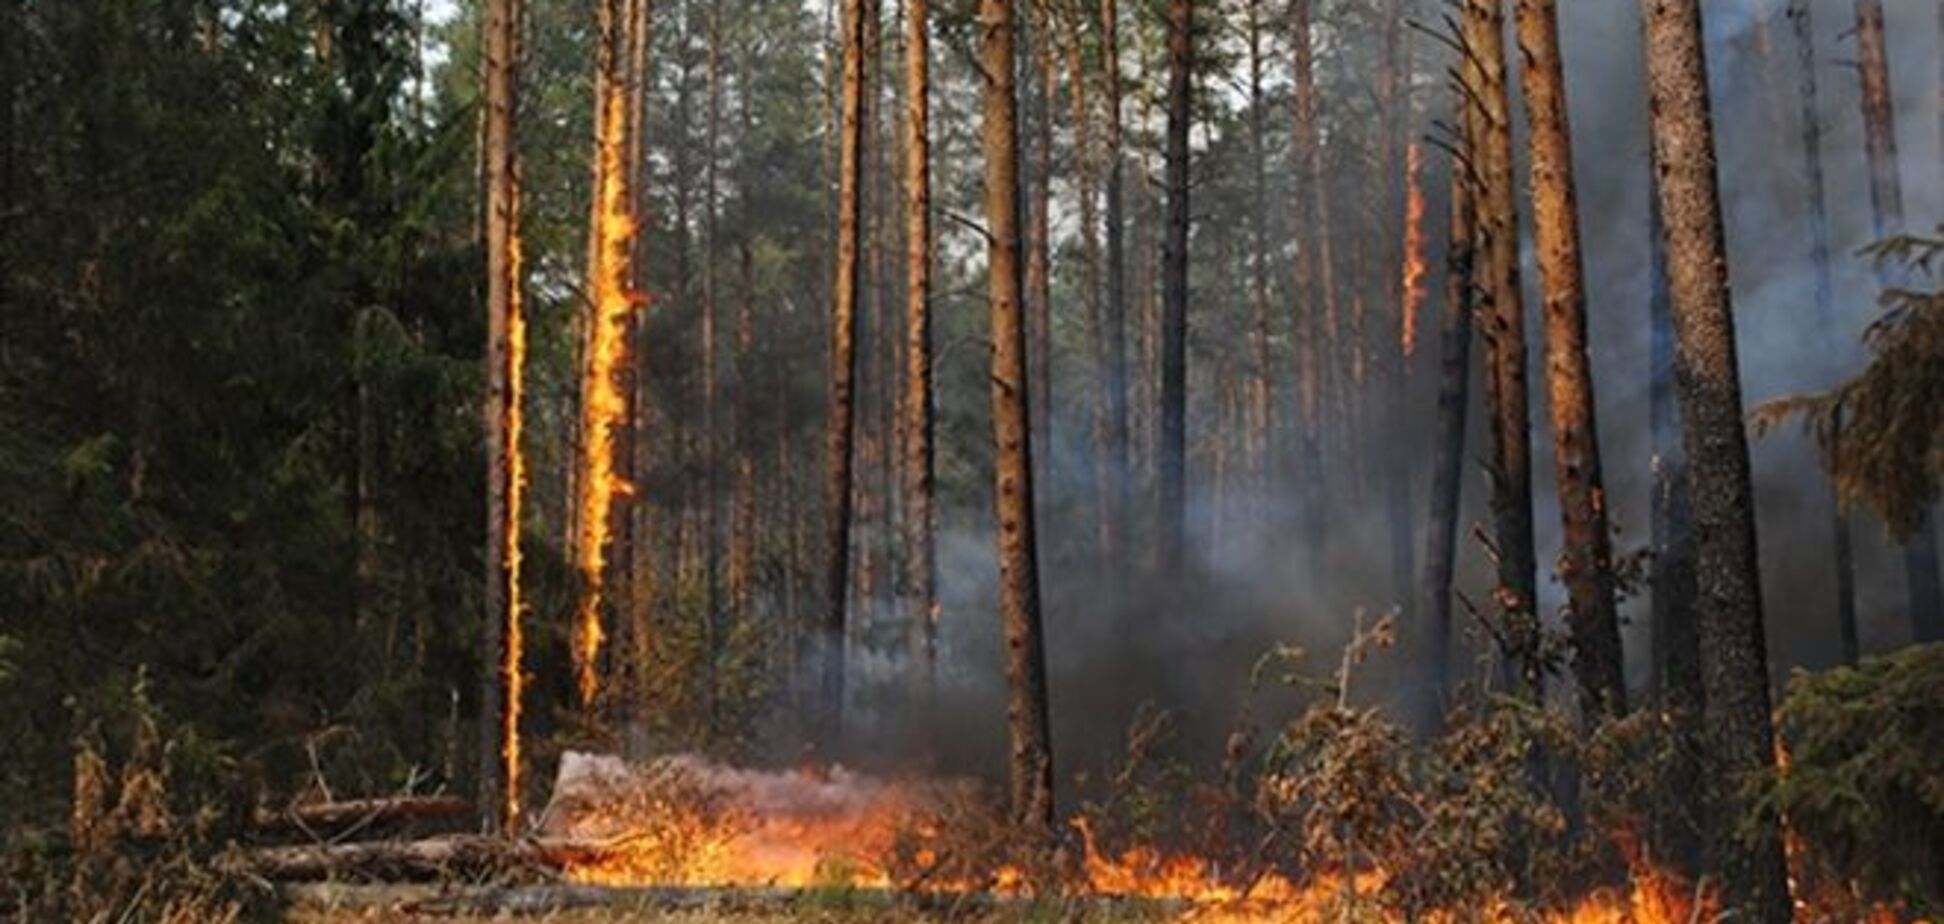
[(1886, 196), (501, 691), (1734, 656), (1259, 425), (920, 474), (1586, 556), (1019, 590), (1676, 644), (1314, 296), (1502, 313), (1039, 231), (1448, 448), (1113, 516), (842, 411), (1803, 29), (1173, 471)]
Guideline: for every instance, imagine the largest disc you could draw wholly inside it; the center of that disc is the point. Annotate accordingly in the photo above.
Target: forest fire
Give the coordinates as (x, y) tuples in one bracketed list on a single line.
[(1414, 263), (603, 407), (687, 822)]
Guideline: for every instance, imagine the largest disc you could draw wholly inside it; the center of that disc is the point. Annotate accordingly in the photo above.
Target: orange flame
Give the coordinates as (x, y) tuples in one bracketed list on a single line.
[(602, 403), (513, 420), (1414, 265)]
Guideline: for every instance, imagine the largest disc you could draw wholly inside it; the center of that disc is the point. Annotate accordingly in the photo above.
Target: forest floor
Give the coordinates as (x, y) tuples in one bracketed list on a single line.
[(406, 904)]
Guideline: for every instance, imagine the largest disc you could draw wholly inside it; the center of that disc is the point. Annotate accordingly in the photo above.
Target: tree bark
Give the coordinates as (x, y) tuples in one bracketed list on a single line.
[(502, 654), (1314, 290), (1019, 590), (1086, 190), (1039, 231), (1173, 469), (1886, 198), (1448, 445), (1803, 28), (1502, 313), (1676, 644), (710, 443), (1586, 559), (1260, 423), (1734, 656), (921, 516), (842, 411), (1114, 516)]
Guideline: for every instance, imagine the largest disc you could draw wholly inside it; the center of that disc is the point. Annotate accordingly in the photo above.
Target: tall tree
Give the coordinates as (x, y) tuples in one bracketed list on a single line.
[(1019, 588), (1448, 441), (1586, 559), (841, 413), (1803, 28), (709, 442), (1259, 423), (1886, 197), (1733, 646), (920, 471), (1173, 468), (1314, 291), (1114, 515), (1502, 312), (499, 764)]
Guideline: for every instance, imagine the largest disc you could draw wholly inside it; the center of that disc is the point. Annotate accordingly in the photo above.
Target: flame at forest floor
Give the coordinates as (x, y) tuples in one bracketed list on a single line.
[(685, 821)]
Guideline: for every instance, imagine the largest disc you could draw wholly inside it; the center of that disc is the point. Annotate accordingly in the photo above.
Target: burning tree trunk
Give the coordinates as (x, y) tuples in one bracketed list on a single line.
[(1314, 297), (1502, 311), (1734, 656), (1803, 28), (842, 412), (1114, 512), (921, 488), (1448, 443), (502, 694), (611, 299), (1174, 280), (1886, 197), (1019, 591), (1586, 560)]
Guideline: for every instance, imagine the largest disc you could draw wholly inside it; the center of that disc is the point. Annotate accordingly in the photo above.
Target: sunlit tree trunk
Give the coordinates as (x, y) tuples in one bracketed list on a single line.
[(1586, 554), (1173, 469), (842, 410), (1448, 446), (501, 693), (921, 516), (1886, 196), (1803, 28), (1744, 837), (1019, 590), (1502, 317)]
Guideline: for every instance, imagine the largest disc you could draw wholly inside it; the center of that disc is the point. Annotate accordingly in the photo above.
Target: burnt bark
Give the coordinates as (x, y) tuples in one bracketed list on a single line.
[(1733, 646), (1173, 469), (1448, 450)]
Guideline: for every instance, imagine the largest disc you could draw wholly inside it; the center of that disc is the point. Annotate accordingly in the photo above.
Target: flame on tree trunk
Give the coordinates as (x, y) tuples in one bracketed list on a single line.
[(611, 303), (506, 467), (1411, 276)]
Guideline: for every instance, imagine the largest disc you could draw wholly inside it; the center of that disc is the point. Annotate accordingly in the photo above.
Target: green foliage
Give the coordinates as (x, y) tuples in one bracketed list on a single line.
[(1864, 784), (1882, 432)]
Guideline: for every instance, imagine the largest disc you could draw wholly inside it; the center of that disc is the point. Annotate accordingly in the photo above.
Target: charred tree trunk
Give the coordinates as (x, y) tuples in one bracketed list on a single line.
[(1586, 559), (1733, 646), (1173, 469), (1676, 644), (1802, 26), (1502, 313), (840, 454), (501, 691), (921, 487), (1019, 590), (1886, 197), (1448, 444)]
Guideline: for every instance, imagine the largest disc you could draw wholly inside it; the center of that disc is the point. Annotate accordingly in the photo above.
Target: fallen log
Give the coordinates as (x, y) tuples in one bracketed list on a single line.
[(330, 819), (394, 861)]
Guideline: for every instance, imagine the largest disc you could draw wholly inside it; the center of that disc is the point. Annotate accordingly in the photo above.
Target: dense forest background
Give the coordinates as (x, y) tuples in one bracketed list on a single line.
[(242, 376)]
